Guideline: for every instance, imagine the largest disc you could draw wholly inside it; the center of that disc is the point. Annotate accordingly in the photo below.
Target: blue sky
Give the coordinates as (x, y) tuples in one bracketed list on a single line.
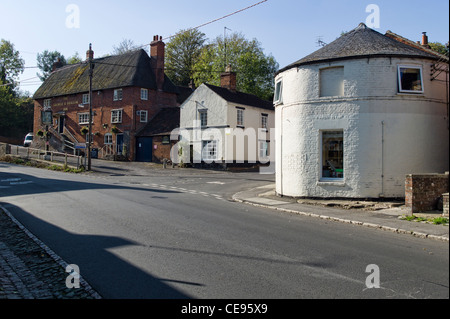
[(287, 29)]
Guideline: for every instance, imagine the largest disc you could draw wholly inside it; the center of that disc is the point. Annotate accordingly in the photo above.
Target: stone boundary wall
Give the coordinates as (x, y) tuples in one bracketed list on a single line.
[(5, 149), (424, 192)]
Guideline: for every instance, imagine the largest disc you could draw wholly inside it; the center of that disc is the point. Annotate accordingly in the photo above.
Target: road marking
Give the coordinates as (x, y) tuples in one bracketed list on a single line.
[(10, 180), (189, 191), (21, 183), (217, 182)]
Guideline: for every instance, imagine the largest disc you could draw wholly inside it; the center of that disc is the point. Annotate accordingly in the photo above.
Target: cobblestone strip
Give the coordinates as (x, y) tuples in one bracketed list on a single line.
[(19, 281), (52, 254)]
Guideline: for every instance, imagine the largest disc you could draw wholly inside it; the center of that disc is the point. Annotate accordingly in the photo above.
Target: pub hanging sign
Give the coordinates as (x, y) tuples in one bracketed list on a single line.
[(47, 117)]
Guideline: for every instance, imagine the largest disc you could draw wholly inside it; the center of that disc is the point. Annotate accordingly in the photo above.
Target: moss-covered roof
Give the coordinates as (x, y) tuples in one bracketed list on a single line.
[(129, 69)]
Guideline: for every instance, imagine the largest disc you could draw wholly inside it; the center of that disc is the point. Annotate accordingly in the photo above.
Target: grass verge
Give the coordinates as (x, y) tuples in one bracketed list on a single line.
[(436, 220), (31, 163)]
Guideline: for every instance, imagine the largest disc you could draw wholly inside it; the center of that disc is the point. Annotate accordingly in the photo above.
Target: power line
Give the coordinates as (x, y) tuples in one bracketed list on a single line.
[(166, 69), (210, 22), (224, 17), (19, 82)]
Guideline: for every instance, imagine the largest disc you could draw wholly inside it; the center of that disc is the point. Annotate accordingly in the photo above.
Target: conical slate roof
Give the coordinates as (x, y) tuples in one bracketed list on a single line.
[(129, 69), (361, 42)]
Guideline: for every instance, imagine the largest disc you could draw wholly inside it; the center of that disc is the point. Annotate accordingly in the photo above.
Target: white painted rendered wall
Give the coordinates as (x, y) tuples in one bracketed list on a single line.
[(222, 118), (414, 127)]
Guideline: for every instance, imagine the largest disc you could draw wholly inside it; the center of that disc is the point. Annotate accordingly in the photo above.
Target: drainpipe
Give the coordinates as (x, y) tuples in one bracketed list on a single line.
[(382, 159), (281, 152)]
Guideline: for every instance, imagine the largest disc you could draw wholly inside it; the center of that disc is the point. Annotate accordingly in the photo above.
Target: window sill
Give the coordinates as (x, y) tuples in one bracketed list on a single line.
[(331, 182), (411, 93)]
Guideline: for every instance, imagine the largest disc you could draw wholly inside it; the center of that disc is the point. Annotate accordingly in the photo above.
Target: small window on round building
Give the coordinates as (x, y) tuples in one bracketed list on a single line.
[(410, 79)]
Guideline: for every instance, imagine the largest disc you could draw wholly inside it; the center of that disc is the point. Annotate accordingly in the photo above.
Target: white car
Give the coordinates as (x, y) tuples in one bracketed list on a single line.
[(28, 140)]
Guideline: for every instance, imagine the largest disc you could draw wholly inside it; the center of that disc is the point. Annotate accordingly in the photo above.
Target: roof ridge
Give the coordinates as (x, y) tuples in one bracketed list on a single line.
[(389, 33), (240, 97), (361, 42), (124, 70)]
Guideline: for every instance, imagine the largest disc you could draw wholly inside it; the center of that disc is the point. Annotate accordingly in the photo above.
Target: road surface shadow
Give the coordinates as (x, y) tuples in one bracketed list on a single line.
[(13, 184), (111, 276)]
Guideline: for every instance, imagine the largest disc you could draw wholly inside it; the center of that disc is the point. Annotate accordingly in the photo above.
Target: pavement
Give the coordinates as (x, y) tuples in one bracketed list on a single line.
[(382, 215), (30, 270)]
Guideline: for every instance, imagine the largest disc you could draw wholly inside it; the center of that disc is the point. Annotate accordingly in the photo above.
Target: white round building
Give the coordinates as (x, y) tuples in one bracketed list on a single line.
[(358, 115)]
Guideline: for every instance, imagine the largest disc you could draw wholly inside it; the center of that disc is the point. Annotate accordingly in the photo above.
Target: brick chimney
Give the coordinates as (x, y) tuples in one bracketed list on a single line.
[(157, 52), (228, 79), (425, 40), (56, 65), (89, 53)]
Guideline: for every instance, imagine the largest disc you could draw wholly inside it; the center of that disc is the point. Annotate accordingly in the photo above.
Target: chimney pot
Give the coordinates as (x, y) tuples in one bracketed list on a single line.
[(228, 79), (56, 65), (89, 53), (424, 39)]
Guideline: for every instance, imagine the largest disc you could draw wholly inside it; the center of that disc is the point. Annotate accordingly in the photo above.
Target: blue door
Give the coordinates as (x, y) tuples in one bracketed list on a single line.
[(144, 149), (119, 143)]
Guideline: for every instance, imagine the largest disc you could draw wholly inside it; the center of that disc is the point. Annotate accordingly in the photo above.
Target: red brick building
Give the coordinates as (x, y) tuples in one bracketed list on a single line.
[(128, 91)]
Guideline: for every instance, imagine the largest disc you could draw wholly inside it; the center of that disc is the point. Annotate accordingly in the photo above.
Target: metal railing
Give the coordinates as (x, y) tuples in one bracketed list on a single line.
[(107, 150)]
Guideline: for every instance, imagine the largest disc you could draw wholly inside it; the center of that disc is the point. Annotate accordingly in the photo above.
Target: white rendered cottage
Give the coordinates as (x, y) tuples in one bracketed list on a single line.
[(222, 126), (356, 116)]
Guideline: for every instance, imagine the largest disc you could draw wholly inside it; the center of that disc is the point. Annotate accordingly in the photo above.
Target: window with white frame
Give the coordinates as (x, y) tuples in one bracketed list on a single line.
[(278, 98), (85, 99), (410, 79), (209, 150), (332, 81), (263, 149), (47, 103), (203, 117), (83, 118), (144, 94), (333, 154), (240, 116), (118, 95), (264, 119), (143, 116), (108, 139), (116, 116)]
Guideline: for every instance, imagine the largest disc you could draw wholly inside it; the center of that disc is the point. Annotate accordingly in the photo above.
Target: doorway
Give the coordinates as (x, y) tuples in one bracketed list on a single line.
[(144, 149), (119, 144)]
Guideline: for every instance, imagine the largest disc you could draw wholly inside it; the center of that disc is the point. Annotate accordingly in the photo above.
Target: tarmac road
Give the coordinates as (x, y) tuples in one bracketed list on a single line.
[(171, 234)]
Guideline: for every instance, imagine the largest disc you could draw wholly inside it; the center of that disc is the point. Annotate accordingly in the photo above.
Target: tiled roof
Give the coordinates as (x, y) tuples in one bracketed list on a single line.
[(185, 92), (166, 120), (241, 98), (129, 69), (358, 43)]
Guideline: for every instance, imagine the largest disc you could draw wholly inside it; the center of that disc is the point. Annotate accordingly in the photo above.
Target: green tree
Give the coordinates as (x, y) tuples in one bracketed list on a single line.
[(16, 108), (16, 113), (45, 62), (182, 53), (74, 59), (254, 70), (439, 47), (11, 64)]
